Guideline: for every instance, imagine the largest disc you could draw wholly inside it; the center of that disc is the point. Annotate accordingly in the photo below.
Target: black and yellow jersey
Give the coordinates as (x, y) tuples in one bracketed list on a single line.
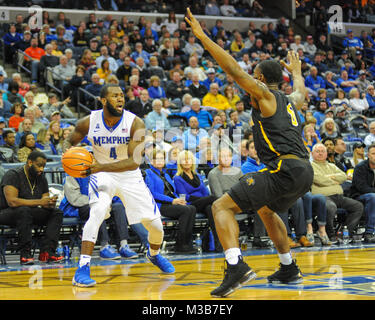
[(279, 134)]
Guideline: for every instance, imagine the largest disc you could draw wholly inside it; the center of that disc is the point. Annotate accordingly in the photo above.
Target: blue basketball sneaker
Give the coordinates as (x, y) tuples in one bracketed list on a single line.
[(108, 253), (82, 277), (162, 263), (126, 252)]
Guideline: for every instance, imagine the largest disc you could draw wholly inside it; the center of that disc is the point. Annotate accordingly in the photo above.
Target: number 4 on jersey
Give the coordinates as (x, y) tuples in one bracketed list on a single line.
[(112, 153)]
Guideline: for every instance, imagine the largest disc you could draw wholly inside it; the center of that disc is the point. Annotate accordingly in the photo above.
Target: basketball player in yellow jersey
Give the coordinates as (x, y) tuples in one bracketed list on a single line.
[(117, 138), (288, 174)]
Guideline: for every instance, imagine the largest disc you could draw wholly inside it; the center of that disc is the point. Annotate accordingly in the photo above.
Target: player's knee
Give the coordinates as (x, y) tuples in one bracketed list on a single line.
[(217, 206), (155, 230)]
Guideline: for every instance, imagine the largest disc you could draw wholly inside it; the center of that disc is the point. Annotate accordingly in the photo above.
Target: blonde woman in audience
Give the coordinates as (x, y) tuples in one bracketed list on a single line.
[(43, 140), (356, 102), (231, 96), (329, 129), (358, 153), (29, 100)]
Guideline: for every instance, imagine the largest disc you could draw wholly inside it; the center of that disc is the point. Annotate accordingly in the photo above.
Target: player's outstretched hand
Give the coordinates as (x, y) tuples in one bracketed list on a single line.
[(194, 24), (294, 65)]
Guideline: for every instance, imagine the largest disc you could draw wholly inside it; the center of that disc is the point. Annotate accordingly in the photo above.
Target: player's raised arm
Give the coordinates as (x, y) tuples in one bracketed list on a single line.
[(135, 151), (225, 60), (299, 89), (80, 131)]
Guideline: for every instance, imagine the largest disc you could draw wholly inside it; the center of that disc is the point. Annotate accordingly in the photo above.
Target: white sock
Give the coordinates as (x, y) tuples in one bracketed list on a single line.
[(232, 254), (84, 259), (123, 243), (285, 258), (154, 252)]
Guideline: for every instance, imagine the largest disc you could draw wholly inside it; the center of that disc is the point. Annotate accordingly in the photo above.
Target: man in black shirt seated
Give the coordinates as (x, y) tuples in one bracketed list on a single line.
[(24, 202)]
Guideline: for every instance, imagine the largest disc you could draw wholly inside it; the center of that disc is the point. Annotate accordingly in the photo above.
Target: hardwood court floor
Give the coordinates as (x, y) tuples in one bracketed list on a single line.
[(334, 273)]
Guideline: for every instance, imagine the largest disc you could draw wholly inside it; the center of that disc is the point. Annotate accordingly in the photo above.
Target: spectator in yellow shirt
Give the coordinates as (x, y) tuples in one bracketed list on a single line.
[(237, 44), (231, 96), (214, 99), (104, 72)]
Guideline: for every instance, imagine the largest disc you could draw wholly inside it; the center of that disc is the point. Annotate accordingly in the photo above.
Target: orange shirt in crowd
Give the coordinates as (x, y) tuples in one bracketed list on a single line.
[(35, 53), (14, 122)]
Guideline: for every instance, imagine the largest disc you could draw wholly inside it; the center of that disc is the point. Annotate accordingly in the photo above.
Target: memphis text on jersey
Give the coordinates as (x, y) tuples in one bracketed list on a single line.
[(98, 141)]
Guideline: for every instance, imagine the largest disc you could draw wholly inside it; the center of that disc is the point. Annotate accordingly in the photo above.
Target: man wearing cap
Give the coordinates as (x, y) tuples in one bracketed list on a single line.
[(94, 48), (352, 43), (95, 32), (363, 189), (352, 73), (370, 138), (344, 57), (342, 121), (309, 46), (203, 116), (211, 78), (363, 83)]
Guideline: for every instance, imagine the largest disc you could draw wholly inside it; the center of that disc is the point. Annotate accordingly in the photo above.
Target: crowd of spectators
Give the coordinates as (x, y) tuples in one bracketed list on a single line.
[(196, 115)]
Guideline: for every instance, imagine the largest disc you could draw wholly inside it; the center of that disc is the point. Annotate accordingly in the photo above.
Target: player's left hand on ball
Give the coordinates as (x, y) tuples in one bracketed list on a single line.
[(91, 169)]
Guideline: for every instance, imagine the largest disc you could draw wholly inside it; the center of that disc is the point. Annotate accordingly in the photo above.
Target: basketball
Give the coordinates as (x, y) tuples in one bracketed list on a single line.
[(76, 160)]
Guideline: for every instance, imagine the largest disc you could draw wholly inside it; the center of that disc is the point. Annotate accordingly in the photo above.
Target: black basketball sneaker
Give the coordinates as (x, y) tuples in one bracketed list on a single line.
[(235, 275), (287, 274)]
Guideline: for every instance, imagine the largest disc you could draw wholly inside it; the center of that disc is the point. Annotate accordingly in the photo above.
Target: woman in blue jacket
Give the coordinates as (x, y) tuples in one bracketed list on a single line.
[(155, 91), (188, 182), (170, 205)]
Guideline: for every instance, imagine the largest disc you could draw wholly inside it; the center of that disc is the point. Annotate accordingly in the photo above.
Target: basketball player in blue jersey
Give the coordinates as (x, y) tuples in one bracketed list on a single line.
[(117, 138), (288, 174)]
